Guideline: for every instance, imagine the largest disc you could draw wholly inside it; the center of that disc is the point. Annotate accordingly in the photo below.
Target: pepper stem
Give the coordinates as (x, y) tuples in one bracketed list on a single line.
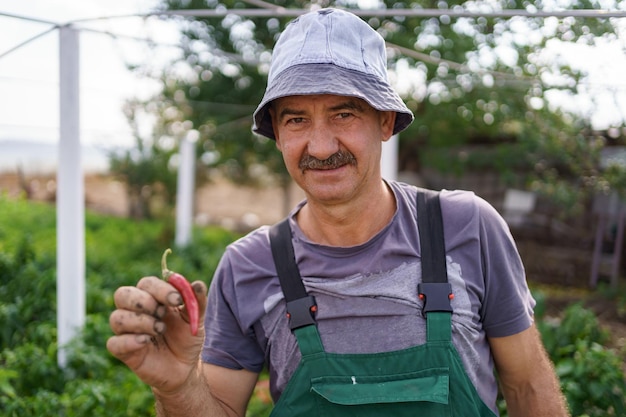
[(165, 273)]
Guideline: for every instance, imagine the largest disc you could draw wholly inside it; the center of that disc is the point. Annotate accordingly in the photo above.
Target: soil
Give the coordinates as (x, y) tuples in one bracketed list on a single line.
[(218, 203), (559, 269)]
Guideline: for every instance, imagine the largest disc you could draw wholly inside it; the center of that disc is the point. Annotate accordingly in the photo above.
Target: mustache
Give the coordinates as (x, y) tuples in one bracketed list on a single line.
[(336, 160)]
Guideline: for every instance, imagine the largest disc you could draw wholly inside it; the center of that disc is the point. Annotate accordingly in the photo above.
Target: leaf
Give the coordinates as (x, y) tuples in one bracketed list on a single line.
[(565, 367)]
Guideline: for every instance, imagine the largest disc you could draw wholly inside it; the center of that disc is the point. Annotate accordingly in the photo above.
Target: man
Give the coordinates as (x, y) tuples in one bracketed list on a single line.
[(369, 348)]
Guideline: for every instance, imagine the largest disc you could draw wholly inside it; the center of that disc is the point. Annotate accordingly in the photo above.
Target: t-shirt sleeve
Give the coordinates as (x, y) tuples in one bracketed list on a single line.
[(228, 342), (507, 307)]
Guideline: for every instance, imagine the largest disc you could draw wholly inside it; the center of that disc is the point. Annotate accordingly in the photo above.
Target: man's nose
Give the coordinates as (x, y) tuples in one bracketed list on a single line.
[(323, 142)]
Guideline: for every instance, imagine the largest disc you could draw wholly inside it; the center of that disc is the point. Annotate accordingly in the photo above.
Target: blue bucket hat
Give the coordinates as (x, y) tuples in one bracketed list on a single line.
[(330, 51)]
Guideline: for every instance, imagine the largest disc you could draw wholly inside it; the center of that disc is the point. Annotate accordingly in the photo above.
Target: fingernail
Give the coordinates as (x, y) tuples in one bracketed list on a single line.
[(174, 299), (160, 311), (198, 288), (142, 339), (159, 327)]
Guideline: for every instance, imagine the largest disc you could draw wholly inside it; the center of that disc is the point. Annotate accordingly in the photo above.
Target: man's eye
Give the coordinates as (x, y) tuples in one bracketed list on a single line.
[(344, 115), (295, 120)]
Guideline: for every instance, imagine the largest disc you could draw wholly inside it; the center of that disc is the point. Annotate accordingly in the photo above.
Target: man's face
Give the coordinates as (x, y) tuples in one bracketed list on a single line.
[(331, 144)]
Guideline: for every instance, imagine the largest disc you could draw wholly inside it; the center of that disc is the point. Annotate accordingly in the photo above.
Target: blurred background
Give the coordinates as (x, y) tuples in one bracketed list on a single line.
[(522, 102)]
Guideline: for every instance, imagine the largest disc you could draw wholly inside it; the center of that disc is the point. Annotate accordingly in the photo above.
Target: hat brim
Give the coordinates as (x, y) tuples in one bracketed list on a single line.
[(310, 79)]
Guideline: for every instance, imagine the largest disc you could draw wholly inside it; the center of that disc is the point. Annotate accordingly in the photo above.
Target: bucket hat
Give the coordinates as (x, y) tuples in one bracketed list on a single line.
[(330, 51)]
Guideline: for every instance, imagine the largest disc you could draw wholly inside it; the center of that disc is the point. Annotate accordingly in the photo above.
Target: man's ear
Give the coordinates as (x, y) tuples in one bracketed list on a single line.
[(387, 123)]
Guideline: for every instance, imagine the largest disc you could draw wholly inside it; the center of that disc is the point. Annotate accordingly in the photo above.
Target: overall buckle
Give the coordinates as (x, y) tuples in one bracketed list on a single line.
[(436, 296), (301, 312)]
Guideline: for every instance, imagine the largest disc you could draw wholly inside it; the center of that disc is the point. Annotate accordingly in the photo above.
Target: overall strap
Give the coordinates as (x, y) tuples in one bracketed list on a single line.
[(434, 289), (301, 307)]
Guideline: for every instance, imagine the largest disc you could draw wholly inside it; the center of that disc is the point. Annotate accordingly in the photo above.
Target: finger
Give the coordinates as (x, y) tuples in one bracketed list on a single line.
[(200, 290), (172, 319), (124, 346), (134, 299), (125, 321), (163, 292)]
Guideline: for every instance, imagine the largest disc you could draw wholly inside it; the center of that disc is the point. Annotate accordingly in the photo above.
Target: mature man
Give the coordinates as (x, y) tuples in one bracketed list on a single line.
[(360, 326)]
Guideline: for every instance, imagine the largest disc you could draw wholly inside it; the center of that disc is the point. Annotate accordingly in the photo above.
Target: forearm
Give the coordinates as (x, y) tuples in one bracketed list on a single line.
[(527, 377), (541, 397)]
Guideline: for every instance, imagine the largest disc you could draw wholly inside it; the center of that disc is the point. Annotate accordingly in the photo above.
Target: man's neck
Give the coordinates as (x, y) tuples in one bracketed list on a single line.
[(349, 224)]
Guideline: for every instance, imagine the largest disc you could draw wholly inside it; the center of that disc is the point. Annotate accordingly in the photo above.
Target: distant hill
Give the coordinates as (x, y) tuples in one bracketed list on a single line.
[(42, 157)]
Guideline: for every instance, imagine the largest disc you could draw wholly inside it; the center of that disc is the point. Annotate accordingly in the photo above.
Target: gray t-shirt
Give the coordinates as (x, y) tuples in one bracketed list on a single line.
[(367, 294)]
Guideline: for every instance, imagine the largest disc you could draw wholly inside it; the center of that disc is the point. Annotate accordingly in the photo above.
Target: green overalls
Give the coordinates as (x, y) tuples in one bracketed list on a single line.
[(425, 380)]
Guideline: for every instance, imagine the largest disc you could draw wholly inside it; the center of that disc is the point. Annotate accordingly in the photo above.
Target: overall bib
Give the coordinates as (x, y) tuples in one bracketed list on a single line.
[(426, 380)]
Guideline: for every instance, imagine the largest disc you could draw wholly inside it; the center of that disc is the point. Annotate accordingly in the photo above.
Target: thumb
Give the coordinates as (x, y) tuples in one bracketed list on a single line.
[(200, 290)]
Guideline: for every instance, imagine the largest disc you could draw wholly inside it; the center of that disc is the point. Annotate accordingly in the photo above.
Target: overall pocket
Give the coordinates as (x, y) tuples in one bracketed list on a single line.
[(424, 393)]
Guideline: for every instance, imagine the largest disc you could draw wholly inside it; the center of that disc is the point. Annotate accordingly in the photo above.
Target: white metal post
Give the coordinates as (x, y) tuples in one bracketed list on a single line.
[(389, 159), (185, 188), (70, 199)]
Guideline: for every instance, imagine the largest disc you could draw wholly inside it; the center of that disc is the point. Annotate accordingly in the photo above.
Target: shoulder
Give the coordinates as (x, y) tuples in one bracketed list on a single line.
[(464, 200), (452, 199), (245, 279), (458, 207), (465, 206), (467, 217), (247, 259), (251, 242)]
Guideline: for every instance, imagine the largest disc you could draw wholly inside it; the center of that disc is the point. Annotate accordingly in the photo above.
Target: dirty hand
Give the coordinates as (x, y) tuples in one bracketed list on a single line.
[(152, 336)]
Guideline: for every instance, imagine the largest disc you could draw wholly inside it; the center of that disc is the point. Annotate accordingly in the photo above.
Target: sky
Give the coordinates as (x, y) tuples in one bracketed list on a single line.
[(602, 95), (29, 75)]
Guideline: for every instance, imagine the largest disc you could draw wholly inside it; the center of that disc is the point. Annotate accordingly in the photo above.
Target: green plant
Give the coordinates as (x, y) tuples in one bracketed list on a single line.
[(591, 374), (118, 252)]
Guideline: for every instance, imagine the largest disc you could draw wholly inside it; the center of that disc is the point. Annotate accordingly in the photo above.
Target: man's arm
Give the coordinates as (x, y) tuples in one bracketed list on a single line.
[(529, 383), (212, 391)]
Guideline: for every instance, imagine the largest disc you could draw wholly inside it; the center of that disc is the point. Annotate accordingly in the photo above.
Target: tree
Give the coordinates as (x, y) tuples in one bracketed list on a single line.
[(145, 168), (486, 81), (469, 80)]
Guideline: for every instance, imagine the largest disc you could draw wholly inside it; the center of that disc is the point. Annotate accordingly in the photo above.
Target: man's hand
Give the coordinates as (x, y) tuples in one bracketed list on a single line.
[(152, 334)]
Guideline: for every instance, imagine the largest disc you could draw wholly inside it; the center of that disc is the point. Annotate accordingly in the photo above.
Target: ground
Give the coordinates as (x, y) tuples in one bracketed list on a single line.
[(559, 270)]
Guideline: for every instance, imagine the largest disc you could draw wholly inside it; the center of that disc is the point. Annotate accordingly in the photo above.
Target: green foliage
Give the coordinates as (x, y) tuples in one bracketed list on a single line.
[(118, 252), (591, 375)]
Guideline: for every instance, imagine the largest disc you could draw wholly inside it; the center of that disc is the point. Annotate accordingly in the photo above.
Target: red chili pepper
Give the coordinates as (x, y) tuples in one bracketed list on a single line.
[(184, 288)]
